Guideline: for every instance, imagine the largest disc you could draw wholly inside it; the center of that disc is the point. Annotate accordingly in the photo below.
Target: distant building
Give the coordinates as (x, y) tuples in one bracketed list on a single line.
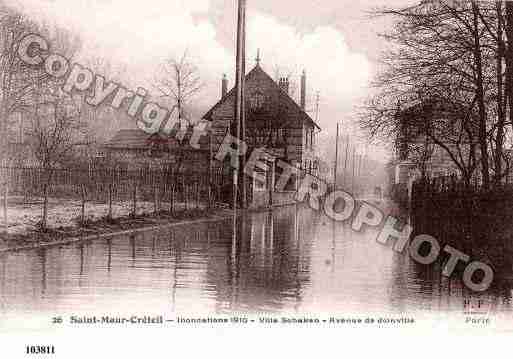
[(274, 122), (137, 148), (416, 155)]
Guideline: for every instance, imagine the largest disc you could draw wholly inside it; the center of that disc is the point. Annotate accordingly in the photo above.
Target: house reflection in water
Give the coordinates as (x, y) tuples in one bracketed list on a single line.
[(271, 265)]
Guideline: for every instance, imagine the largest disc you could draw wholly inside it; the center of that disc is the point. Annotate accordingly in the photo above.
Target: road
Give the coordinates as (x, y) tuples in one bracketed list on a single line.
[(291, 260)]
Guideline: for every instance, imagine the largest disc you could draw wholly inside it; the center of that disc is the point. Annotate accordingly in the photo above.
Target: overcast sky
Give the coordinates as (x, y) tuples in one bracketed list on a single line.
[(334, 41)]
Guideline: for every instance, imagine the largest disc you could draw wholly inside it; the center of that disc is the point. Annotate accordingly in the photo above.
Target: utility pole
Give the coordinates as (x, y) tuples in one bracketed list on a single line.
[(317, 100), (354, 162), (345, 159), (243, 108), (336, 159), (239, 94)]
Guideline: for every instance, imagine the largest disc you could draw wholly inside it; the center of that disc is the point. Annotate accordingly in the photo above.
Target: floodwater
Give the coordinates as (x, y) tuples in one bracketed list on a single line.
[(291, 260)]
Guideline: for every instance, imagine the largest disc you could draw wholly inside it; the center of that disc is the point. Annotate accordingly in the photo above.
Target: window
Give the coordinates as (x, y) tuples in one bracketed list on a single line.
[(259, 186), (256, 102), (308, 167)]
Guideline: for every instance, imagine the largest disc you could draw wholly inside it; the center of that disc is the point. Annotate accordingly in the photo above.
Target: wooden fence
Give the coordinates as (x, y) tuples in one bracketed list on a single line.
[(194, 189), (475, 220)]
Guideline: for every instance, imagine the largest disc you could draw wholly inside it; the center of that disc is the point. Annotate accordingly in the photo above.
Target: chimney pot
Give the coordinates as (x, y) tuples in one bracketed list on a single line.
[(284, 84), (224, 86)]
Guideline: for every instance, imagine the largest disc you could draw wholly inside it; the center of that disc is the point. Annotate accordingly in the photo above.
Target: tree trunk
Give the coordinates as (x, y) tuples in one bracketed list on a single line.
[(3, 162), (483, 144), (500, 98), (509, 57), (6, 193)]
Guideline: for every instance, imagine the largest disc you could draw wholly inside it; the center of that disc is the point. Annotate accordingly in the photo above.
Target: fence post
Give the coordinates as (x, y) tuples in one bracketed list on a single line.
[(209, 189), (134, 209), (82, 214), (155, 198), (165, 179), (45, 206), (111, 185), (196, 187), (184, 191), (172, 197), (6, 192)]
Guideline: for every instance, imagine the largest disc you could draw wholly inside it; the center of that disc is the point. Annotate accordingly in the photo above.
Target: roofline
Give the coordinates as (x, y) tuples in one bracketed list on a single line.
[(208, 115), (177, 149)]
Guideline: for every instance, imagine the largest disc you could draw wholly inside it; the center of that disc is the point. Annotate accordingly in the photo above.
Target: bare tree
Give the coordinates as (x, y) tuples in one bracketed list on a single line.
[(17, 80), (443, 71), (179, 82), (56, 132), (479, 90)]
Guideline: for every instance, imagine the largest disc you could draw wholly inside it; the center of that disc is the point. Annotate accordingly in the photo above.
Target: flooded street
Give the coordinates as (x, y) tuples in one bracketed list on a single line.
[(292, 260)]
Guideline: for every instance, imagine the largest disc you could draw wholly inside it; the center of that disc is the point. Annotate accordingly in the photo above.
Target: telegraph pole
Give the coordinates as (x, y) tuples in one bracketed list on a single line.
[(336, 159), (243, 106), (354, 163), (239, 93), (345, 159)]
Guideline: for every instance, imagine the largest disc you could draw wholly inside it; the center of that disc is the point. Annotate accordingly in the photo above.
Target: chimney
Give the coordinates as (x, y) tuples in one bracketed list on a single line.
[(303, 90), (224, 86), (284, 84)]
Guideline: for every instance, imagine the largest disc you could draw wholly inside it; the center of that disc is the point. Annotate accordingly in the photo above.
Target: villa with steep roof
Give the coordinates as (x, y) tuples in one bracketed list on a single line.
[(274, 122)]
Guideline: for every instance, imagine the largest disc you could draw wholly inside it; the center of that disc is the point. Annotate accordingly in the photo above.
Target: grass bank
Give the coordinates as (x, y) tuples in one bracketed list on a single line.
[(106, 227)]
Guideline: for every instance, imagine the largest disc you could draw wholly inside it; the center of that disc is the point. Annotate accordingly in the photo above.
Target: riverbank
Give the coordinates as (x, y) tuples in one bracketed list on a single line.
[(104, 228), (65, 228), (66, 223)]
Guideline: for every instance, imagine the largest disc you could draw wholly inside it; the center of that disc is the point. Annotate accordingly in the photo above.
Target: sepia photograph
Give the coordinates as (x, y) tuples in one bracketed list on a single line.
[(178, 177)]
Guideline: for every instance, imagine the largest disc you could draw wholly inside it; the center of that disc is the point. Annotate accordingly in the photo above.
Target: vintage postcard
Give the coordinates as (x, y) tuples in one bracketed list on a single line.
[(242, 176)]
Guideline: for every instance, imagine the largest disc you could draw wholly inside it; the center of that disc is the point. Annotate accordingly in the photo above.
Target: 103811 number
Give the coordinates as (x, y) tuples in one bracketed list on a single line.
[(40, 349)]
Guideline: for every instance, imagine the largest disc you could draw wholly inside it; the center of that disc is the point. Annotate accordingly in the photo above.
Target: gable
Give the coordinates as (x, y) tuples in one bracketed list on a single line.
[(258, 80)]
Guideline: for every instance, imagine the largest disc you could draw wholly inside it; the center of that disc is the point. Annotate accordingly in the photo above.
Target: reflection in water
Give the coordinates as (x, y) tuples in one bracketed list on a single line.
[(288, 260), (41, 253), (109, 254)]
